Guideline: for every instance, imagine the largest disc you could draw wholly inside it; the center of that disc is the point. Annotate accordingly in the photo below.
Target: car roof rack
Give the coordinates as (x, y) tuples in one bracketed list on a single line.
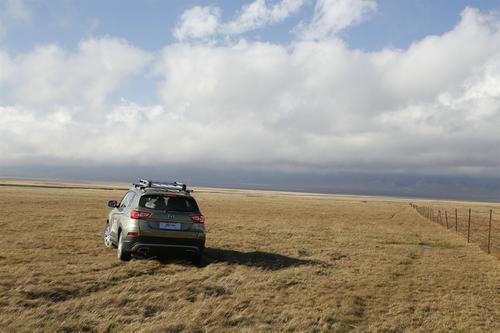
[(168, 186)]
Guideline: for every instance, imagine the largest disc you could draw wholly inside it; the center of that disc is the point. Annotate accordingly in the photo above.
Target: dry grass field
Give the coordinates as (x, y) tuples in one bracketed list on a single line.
[(275, 262)]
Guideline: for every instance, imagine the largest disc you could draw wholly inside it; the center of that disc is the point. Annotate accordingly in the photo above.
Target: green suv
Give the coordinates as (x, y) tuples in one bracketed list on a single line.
[(155, 216)]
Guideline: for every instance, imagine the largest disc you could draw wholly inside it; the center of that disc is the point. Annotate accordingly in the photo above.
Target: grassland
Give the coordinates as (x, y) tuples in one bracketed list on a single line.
[(276, 262)]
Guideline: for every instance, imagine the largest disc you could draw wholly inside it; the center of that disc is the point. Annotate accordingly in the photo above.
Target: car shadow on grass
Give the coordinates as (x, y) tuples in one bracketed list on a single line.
[(262, 260)]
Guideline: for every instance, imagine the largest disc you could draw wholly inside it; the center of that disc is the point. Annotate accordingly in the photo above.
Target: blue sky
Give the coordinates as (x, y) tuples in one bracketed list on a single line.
[(316, 88)]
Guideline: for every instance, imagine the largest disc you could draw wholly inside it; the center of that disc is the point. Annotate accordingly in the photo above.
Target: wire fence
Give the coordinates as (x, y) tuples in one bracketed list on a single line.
[(480, 226)]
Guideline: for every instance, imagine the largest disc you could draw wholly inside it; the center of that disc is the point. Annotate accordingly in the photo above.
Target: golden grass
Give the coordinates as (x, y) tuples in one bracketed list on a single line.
[(276, 262)]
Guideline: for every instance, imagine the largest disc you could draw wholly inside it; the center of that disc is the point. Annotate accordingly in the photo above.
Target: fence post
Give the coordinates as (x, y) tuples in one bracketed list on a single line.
[(446, 217), (456, 221), (468, 227), (440, 218), (489, 232)]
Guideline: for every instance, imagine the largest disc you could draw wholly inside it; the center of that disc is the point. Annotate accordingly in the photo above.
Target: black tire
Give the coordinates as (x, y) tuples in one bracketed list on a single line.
[(107, 236), (197, 259), (121, 253)]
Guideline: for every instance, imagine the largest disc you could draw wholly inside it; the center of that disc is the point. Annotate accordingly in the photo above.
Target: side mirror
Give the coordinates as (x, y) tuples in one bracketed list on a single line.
[(112, 204)]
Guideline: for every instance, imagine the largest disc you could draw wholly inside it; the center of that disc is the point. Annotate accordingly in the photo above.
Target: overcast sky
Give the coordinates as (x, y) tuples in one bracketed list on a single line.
[(254, 91)]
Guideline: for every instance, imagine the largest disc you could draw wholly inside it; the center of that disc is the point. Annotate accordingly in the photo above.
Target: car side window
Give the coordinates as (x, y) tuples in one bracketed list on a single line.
[(126, 199), (131, 200)]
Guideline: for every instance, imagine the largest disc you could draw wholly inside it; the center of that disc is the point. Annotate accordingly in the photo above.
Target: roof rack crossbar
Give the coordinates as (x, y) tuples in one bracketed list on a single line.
[(176, 186)]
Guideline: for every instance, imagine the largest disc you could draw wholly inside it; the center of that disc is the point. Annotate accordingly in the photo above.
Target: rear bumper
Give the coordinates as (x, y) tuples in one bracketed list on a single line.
[(143, 243)]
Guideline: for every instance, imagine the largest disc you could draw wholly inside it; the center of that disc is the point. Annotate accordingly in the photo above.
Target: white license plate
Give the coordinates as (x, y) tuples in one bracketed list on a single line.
[(170, 226)]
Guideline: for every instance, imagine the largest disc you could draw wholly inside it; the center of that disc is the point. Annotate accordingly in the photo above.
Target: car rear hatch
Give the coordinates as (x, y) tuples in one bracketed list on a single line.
[(170, 215)]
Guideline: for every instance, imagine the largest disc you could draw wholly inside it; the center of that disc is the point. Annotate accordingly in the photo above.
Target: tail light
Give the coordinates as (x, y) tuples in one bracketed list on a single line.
[(132, 234), (137, 214), (198, 218)]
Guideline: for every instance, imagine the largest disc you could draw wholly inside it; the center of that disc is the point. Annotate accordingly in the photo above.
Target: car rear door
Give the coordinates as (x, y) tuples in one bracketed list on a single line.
[(170, 216)]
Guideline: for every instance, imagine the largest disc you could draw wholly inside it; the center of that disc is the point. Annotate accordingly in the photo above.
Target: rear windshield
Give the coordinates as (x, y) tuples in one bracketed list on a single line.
[(172, 204)]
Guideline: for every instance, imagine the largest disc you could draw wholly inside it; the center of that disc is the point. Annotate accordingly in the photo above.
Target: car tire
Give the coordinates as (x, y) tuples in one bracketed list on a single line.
[(197, 259), (122, 254), (107, 236)]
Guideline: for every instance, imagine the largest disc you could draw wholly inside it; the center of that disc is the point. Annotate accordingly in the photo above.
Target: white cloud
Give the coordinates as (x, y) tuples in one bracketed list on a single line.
[(197, 22), (311, 105), (17, 10), (202, 22), (49, 75), (12, 11), (259, 13), (319, 104), (332, 16)]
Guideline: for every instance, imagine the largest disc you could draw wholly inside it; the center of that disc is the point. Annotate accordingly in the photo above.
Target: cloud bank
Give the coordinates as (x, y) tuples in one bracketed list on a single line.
[(313, 105)]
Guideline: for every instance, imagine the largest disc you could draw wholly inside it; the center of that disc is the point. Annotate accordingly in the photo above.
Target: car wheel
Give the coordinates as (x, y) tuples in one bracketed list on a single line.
[(122, 254), (107, 236), (197, 259)]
